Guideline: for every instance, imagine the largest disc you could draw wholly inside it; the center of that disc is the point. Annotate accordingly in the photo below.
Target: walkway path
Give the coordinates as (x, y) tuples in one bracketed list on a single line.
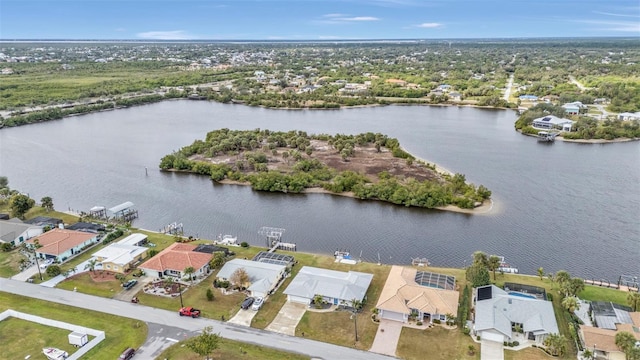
[(307, 347)]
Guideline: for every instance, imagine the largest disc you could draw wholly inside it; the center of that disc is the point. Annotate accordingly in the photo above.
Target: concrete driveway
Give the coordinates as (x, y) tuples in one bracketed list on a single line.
[(243, 317), (491, 350), (288, 318), (386, 340)]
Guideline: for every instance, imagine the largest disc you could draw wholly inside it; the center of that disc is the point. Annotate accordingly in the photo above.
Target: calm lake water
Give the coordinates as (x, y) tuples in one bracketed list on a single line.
[(559, 206)]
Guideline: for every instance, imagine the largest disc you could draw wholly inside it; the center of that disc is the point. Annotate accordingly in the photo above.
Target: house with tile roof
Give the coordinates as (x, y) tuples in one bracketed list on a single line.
[(120, 257), (61, 244), (263, 277), (335, 287), (16, 232), (403, 296), (174, 259), (601, 339), (498, 313)]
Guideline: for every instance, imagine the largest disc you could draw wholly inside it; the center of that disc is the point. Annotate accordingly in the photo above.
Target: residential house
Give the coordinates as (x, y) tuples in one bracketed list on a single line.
[(61, 244), (263, 277), (528, 98), (498, 313), (396, 82), (16, 232), (173, 260), (627, 116), (550, 122), (335, 287), (120, 257), (573, 108), (444, 87), (602, 341), (412, 293), (455, 96)]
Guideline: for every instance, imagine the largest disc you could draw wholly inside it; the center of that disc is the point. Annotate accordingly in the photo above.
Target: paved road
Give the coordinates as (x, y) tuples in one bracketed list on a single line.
[(159, 339), (165, 318), (507, 90)]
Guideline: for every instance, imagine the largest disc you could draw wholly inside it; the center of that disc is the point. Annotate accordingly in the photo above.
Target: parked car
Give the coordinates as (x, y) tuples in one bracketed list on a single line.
[(247, 303), (129, 284), (189, 311), (45, 263), (127, 354), (257, 304)]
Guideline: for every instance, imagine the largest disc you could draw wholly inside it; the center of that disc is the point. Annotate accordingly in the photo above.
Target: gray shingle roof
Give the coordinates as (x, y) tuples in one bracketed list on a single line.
[(311, 281)]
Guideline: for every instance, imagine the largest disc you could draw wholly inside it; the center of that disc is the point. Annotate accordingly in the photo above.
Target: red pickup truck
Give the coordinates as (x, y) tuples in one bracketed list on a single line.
[(189, 311)]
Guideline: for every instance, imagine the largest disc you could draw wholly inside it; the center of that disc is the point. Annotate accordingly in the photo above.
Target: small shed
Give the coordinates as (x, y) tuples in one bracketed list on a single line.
[(78, 339)]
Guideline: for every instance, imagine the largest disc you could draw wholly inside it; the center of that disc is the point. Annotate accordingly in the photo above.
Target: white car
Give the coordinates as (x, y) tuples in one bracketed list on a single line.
[(45, 263), (257, 304)]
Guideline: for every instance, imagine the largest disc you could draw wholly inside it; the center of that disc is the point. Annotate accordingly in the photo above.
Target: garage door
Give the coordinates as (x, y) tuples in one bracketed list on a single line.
[(392, 315), (298, 299)]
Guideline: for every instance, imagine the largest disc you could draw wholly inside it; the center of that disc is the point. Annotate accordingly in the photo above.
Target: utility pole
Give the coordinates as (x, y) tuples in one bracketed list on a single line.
[(180, 292)]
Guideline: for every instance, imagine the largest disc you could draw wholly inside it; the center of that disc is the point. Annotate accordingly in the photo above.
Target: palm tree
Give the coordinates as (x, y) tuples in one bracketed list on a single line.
[(634, 301), (541, 272), (587, 354), (480, 257), (571, 303), (356, 305), (188, 271), (91, 265), (493, 263), (556, 344), (625, 341)]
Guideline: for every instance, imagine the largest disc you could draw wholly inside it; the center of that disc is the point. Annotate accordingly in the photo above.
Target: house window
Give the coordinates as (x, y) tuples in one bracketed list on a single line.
[(108, 266)]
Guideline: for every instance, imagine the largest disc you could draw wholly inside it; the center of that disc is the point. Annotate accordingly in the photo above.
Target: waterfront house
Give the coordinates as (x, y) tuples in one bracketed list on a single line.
[(263, 277), (528, 98), (602, 341), (455, 96), (551, 122), (498, 313), (16, 232), (420, 294), (173, 260), (627, 116), (61, 244), (573, 108), (335, 287), (120, 257)]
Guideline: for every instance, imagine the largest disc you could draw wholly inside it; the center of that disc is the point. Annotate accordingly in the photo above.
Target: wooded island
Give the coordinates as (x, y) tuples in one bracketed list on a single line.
[(365, 166)]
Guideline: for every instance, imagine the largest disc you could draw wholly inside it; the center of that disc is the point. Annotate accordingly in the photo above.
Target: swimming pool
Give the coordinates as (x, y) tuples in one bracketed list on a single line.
[(515, 293)]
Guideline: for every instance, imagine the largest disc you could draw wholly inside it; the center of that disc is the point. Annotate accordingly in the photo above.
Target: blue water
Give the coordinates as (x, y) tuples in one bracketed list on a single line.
[(519, 294)]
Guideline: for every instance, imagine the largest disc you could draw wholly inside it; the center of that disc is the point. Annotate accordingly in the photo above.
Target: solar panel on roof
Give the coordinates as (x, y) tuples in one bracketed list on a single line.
[(546, 119), (484, 293)]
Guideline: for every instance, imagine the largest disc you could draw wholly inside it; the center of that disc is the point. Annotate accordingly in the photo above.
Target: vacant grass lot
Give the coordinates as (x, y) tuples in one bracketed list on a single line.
[(230, 350), (84, 284), (437, 342), (120, 332), (13, 330)]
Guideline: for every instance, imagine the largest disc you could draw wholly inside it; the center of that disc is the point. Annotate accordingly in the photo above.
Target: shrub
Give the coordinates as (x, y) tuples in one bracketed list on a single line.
[(244, 244), (209, 295), (478, 337), (53, 270), (436, 321), (515, 343), (6, 247), (549, 296), (419, 323), (466, 330)]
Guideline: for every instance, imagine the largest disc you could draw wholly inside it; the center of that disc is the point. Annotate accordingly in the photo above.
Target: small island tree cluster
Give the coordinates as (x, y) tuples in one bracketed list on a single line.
[(294, 161)]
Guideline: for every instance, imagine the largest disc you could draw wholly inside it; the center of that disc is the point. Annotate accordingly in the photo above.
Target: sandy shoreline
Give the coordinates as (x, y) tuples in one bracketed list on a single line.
[(485, 208)]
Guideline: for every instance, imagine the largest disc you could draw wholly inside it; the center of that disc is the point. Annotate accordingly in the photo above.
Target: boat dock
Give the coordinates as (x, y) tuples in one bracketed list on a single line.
[(420, 262), (283, 246), (173, 229), (546, 136)]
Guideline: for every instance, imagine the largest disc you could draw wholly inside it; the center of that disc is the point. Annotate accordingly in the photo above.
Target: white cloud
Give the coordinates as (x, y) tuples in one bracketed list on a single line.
[(615, 14), (618, 26), (333, 15), (359, 18), (429, 25), (165, 35)]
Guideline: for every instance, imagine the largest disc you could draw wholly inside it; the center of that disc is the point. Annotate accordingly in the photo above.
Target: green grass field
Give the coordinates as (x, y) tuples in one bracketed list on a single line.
[(120, 332), (230, 350)]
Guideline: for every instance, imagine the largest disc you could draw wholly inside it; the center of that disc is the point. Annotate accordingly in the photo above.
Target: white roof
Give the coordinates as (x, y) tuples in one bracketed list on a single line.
[(502, 309), (551, 119), (261, 275), (123, 206), (120, 254), (133, 239), (311, 281)]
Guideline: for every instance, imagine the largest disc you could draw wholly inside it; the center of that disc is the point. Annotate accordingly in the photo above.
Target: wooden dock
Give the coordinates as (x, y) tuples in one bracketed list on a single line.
[(283, 246)]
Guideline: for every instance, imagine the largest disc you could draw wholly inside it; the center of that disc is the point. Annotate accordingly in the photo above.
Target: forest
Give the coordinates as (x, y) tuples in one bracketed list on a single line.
[(369, 166)]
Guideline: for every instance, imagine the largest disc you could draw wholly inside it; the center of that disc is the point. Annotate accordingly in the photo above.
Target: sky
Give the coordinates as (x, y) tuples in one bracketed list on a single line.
[(316, 19)]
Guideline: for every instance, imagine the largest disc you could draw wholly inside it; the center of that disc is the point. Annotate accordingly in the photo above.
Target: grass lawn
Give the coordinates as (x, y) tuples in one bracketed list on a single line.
[(84, 284), (13, 330), (529, 354), (230, 350), (10, 263), (437, 342), (597, 293), (120, 332)]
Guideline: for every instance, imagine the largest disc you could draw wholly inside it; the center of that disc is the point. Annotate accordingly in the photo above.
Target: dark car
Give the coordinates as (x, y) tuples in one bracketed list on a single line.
[(247, 303), (129, 284), (127, 354)]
